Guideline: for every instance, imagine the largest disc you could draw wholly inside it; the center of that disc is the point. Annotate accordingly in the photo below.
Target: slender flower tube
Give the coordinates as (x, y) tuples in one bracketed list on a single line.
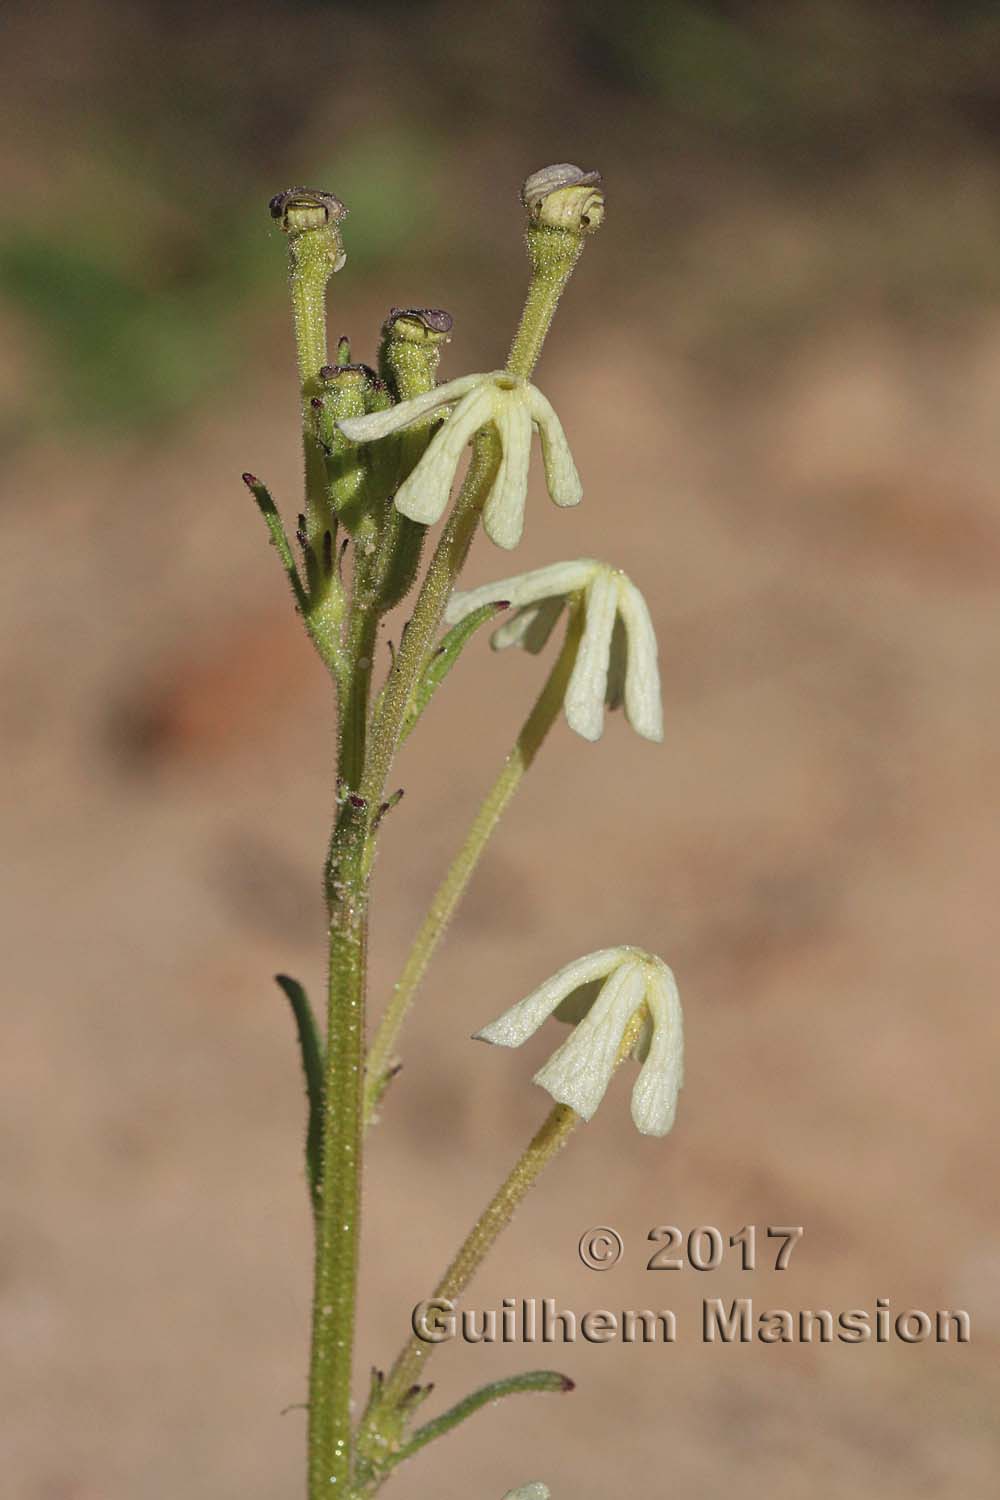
[(616, 661), (601, 993), (513, 407)]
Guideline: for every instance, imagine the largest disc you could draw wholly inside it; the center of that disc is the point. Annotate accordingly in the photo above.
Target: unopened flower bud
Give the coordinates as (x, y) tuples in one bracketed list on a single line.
[(563, 196)]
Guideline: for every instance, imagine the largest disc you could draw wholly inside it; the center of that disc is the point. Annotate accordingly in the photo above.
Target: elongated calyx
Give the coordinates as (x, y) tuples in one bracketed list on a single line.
[(600, 995)]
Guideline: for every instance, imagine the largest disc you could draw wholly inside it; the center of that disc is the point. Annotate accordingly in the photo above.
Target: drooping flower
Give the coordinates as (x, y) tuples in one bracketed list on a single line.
[(600, 994), (616, 660), (513, 407)]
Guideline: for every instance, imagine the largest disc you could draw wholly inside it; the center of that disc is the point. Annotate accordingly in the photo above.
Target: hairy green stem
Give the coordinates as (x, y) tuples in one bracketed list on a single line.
[(553, 254), (544, 1146), (338, 1219), (527, 745), (337, 1228), (362, 633), (546, 1143)]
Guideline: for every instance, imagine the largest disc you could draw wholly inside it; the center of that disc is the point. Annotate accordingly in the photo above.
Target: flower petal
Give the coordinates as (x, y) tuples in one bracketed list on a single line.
[(524, 588), (614, 693), (518, 1023), (654, 1097), (379, 424), (584, 701), (579, 1072), (424, 494), (503, 513), (561, 475), (643, 705)]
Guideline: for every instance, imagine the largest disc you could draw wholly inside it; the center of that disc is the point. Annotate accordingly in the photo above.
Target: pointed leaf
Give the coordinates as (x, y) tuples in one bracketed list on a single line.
[(279, 540), (532, 1380), (444, 659), (311, 1047)]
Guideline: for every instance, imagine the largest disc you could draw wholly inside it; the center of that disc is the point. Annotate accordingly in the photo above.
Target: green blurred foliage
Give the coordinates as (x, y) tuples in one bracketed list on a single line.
[(810, 73), (143, 235), (137, 316)]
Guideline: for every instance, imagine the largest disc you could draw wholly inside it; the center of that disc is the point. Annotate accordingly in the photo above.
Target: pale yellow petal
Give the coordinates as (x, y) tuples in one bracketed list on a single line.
[(518, 1023), (584, 702)]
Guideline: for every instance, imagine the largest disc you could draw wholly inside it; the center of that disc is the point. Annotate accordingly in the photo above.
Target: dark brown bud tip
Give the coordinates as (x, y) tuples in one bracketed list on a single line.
[(300, 208), (356, 800), (567, 1384), (501, 604), (434, 318), (251, 481), (333, 372), (414, 325)]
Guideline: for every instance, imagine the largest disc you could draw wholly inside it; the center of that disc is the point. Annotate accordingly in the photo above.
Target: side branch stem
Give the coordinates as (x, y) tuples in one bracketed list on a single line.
[(555, 1131), (527, 745), (546, 1144)]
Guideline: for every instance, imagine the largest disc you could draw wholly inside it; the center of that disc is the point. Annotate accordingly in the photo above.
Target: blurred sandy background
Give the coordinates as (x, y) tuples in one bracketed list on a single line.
[(779, 367)]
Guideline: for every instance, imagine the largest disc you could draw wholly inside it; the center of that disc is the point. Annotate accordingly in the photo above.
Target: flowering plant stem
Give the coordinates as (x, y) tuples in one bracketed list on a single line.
[(381, 452), (533, 733), (368, 741)]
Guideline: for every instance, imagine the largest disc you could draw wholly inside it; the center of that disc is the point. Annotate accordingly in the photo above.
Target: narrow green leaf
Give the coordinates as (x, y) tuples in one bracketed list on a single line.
[(311, 1047), (533, 1380), (269, 511), (444, 659)]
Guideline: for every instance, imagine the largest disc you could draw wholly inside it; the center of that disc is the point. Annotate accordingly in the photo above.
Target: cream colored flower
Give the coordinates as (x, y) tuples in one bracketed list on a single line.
[(514, 407), (600, 994), (617, 658), (536, 1491)]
